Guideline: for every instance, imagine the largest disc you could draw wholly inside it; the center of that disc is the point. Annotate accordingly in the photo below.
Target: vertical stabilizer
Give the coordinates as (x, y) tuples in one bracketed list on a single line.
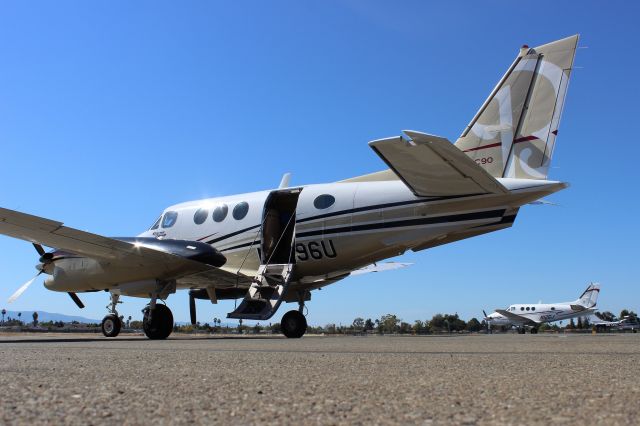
[(590, 296), (513, 133)]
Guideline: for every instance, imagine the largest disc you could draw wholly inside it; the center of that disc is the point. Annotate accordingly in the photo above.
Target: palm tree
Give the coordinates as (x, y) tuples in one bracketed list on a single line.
[(35, 319), (20, 317), (4, 312)]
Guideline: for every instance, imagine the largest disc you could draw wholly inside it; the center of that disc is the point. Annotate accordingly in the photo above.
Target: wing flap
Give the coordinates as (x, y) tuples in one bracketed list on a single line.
[(432, 166)]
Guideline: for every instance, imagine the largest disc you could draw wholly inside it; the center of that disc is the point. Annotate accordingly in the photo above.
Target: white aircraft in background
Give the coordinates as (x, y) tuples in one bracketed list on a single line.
[(534, 314), (279, 245)]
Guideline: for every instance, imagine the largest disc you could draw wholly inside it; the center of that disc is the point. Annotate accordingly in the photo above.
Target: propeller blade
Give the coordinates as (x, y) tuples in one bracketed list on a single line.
[(192, 308), (23, 288), (485, 314), (76, 299), (39, 249)]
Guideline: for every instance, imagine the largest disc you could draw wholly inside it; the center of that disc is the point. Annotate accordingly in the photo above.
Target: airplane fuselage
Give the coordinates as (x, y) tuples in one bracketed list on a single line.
[(340, 227), (540, 313)]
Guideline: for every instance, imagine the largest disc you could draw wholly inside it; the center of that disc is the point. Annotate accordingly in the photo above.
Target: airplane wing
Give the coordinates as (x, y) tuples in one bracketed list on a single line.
[(432, 166), (214, 276), (54, 234), (516, 318)]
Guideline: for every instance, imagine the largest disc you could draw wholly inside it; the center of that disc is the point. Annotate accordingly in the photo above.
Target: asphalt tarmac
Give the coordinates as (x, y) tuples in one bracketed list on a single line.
[(476, 379)]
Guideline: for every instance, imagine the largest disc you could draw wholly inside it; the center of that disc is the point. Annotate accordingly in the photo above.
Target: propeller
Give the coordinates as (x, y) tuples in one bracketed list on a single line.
[(192, 308), (44, 259), (23, 288), (76, 299), (39, 249), (487, 321)]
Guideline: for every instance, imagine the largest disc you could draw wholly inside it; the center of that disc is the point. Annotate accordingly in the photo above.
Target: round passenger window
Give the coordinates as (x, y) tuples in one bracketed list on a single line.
[(240, 210), (533, 308), (324, 201), (220, 213), (200, 216), (522, 308), (527, 308), (169, 219)]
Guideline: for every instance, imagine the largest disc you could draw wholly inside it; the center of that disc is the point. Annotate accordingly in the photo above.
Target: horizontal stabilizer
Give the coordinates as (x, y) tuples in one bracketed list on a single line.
[(432, 166)]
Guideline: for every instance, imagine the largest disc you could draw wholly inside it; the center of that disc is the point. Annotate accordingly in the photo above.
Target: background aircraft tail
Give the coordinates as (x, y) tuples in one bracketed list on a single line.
[(514, 132), (589, 298)]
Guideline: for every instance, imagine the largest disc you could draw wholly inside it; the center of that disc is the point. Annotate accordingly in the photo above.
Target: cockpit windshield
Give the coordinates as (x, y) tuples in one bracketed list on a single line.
[(156, 224), (169, 219)]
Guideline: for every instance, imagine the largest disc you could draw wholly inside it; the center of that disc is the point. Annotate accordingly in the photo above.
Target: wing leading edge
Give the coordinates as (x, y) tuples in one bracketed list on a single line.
[(54, 234)]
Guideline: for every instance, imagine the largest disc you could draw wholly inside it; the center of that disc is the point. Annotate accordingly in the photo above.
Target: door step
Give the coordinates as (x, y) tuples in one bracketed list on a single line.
[(265, 293)]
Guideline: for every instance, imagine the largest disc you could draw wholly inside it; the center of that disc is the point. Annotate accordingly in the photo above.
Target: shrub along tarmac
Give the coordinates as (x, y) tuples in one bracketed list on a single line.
[(474, 379)]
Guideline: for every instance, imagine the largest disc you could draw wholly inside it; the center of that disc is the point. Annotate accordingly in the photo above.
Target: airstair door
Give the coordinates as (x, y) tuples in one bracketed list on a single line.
[(277, 238), (277, 257)]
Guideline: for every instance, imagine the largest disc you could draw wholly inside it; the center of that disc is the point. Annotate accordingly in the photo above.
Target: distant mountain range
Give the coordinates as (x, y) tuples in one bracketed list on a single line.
[(27, 316)]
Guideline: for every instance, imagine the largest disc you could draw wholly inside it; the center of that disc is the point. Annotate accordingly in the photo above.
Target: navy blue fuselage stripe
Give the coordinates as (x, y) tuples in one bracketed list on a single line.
[(404, 223), (349, 211), (396, 224), (215, 240), (381, 206)]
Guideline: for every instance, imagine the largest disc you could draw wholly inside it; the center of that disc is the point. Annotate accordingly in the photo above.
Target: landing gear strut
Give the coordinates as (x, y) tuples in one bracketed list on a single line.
[(293, 323), (111, 324)]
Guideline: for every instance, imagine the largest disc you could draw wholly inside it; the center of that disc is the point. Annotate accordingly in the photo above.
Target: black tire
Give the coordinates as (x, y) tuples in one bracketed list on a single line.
[(161, 324), (111, 325), (534, 331), (293, 325)]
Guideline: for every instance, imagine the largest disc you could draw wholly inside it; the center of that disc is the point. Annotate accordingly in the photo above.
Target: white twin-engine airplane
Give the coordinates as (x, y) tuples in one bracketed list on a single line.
[(534, 314), (279, 245)]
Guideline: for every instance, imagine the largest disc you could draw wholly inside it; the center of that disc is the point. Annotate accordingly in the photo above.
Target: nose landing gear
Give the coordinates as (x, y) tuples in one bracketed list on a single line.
[(111, 324)]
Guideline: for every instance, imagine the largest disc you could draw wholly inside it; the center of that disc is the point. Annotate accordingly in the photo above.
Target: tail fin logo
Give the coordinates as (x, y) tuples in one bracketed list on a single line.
[(513, 134)]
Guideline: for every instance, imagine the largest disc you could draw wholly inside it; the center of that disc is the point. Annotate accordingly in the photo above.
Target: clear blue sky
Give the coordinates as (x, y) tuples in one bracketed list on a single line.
[(110, 111)]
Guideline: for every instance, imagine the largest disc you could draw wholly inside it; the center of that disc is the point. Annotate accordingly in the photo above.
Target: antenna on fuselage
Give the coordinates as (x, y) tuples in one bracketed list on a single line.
[(284, 182)]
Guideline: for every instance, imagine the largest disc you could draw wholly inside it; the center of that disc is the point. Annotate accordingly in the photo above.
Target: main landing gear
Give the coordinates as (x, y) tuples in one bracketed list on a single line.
[(157, 321), (111, 324), (293, 323)]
